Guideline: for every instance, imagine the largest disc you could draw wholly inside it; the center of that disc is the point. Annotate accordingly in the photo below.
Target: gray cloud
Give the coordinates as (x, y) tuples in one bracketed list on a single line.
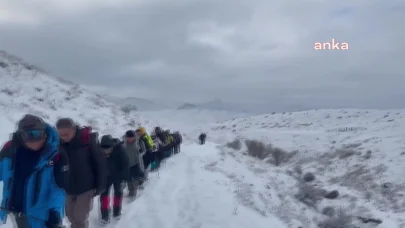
[(257, 52)]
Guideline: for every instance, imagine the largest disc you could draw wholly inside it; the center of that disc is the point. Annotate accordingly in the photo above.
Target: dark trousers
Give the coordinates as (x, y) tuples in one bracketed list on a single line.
[(21, 221), (78, 209), (176, 148), (105, 199), (160, 155), (136, 177), (147, 159)]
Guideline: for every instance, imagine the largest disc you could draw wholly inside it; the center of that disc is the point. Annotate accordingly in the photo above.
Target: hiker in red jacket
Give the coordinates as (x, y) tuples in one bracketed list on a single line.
[(87, 170)]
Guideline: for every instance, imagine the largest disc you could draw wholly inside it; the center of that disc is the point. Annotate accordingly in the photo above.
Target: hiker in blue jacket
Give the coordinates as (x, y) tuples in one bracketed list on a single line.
[(34, 174)]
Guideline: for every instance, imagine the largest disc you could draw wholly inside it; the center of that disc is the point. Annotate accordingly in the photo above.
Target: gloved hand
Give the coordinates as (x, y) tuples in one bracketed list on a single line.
[(98, 191), (54, 219), (123, 185)]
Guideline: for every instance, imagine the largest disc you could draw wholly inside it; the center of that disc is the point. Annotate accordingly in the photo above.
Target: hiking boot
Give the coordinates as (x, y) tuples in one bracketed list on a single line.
[(117, 212), (141, 187), (131, 198), (105, 216), (104, 221)]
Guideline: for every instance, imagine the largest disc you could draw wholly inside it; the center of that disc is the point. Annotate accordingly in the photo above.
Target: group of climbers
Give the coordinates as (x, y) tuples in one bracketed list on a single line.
[(166, 145), (48, 172)]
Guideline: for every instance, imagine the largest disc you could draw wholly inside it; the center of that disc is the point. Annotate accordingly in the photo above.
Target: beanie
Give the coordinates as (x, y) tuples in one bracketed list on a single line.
[(65, 123), (107, 141), (31, 122), (130, 134)]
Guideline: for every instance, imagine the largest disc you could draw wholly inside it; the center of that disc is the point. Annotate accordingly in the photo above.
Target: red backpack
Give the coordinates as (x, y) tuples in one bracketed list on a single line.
[(85, 138), (86, 135)]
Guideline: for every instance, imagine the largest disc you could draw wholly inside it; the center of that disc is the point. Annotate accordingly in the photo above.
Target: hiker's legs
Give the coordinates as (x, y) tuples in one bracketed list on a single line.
[(131, 189), (117, 203), (154, 163), (20, 221), (105, 202), (78, 208), (136, 174), (70, 208)]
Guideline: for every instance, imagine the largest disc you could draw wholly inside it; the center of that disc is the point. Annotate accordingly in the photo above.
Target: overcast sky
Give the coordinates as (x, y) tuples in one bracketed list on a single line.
[(253, 52)]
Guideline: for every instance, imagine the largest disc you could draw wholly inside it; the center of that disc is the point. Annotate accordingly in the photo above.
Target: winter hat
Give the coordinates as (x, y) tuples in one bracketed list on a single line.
[(31, 122), (141, 130), (65, 123), (130, 134), (107, 141), (158, 130)]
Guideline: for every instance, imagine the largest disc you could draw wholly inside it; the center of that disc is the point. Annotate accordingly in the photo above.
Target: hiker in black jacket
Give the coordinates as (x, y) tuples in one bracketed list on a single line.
[(117, 174), (202, 138), (178, 139), (87, 167)]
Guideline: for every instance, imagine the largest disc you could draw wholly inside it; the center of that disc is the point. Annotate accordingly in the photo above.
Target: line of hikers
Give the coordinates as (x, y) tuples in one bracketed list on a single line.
[(47, 171)]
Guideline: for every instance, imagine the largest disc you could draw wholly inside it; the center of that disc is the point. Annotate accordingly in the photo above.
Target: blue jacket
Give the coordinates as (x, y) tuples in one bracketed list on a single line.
[(42, 194)]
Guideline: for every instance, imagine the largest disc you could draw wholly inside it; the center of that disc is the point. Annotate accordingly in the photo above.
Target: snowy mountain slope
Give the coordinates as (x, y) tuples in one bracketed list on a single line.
[(367, 172), (25, 90)]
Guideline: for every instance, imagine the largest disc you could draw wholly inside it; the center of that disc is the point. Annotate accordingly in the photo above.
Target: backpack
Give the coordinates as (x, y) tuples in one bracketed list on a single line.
[(150, 142), (87, 135), (117, 141)]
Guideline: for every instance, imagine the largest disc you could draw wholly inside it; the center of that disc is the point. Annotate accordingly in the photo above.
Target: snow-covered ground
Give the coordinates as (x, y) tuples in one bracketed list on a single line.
[(213, 185), (187, 194), (359, 153)]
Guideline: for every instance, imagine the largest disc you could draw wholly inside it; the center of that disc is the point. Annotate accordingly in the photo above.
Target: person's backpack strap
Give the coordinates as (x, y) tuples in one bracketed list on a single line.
[(8, 145), (6, 151)]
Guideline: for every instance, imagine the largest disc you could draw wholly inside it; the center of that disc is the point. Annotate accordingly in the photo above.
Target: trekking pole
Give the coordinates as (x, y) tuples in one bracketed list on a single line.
[(164, 162), (157, 166)]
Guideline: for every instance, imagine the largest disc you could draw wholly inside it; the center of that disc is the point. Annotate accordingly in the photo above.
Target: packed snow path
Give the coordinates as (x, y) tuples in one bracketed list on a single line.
[(186, 195)]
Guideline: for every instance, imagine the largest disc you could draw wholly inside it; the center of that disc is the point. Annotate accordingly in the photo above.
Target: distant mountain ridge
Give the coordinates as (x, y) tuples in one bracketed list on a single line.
[(187, 106), (215, 104), (142, 104)]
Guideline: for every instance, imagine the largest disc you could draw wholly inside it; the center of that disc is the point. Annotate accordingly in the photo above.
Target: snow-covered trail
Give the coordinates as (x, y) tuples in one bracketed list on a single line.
[(187, 195)]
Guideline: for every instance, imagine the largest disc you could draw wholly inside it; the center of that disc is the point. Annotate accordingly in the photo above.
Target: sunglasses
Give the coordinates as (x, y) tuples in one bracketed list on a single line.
[(32, 135)]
